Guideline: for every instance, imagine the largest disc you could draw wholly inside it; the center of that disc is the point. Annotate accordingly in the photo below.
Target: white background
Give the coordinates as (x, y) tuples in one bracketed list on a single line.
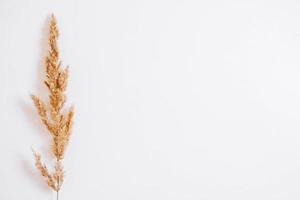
[(175, 99)]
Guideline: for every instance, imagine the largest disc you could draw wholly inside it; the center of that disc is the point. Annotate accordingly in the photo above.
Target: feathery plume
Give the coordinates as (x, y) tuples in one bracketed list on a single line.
[(52, 114)]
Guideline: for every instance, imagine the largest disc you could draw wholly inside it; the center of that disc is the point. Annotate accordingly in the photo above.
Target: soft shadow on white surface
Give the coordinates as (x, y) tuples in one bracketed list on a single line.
[(40, 89), (30, 113)]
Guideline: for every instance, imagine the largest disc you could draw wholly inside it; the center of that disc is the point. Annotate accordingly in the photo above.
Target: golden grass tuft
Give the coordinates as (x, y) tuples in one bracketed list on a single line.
[(56, 119)]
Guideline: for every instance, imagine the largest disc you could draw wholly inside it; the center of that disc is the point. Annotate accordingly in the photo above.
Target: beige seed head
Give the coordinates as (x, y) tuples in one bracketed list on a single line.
[(57, 122)]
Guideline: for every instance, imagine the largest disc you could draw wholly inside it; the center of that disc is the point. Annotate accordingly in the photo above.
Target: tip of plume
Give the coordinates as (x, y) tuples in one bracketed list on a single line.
[(32, 96), (52, 16), (32, 149)]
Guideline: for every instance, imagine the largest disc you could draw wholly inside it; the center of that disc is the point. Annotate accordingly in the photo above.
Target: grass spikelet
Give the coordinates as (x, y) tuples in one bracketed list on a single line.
[(44, 171)]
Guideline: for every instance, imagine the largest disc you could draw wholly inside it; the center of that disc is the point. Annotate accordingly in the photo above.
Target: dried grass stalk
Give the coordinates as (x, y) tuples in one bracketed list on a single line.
[(57, 121)]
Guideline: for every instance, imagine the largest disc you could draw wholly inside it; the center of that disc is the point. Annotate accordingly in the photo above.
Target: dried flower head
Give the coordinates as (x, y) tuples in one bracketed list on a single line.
[(57, 121)]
